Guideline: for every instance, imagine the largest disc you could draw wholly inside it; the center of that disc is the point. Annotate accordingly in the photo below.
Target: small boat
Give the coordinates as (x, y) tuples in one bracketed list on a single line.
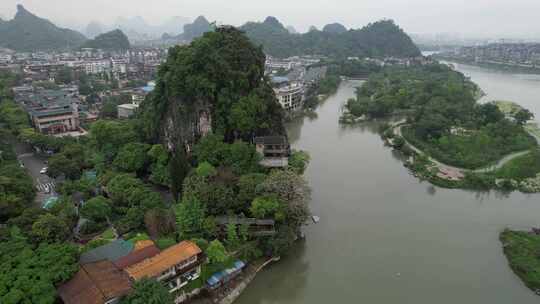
[(315, 219)]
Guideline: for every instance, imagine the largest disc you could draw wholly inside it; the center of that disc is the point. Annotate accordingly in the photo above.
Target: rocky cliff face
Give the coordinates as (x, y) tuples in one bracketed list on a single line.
[(216, 84)]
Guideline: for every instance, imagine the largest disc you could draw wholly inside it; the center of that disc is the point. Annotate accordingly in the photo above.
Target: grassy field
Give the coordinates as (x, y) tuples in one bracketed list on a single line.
[(521, 249), (522, 167), (507, 107)]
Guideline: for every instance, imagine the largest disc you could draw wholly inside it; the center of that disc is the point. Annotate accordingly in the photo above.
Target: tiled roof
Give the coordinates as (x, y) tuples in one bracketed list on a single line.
[(137, 256), (169, 257), (95, 283), (143, 244), (112, 252)]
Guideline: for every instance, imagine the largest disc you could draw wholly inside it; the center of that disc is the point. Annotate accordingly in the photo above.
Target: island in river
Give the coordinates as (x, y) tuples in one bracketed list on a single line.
[(451, 139)]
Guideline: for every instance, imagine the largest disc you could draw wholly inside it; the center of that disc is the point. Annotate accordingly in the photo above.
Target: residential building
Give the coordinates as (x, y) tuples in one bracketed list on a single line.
[(127, 110), (110, 252), (96, 66), (51, 111), (175, 266), (290, 95), (275, 151), (98, 282), (137, 255)]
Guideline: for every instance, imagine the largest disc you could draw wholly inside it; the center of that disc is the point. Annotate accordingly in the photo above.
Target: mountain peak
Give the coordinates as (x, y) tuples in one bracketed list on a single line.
[(336, 28), (271, 20), (21, 11)]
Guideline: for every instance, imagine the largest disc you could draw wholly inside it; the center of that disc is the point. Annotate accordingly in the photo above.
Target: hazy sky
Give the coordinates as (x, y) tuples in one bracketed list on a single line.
[(476, 17)]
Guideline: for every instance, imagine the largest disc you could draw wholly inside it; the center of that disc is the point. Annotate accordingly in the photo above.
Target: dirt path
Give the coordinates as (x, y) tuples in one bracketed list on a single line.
[(397, 131)]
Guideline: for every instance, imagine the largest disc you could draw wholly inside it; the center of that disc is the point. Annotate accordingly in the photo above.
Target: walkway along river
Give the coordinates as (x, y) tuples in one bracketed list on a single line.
[(385, 237)]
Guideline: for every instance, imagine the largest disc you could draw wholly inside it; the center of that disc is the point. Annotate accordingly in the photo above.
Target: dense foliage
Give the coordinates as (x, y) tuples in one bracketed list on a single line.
[(444, 118), (30, 274), (114, 40), (521, 249), (148, 291), (27, 32), (379, 39), (221, 73)]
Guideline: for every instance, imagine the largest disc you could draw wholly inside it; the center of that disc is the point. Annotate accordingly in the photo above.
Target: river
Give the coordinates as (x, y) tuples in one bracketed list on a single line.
[(385, 237)]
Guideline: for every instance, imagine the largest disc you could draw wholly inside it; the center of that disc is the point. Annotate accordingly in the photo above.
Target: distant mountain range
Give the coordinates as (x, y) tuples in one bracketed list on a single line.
[(114, 40), (382, 38), (136, 28), (27, 32)]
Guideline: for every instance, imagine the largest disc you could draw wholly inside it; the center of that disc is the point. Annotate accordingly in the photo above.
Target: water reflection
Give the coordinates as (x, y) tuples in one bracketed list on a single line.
[(289, 288)]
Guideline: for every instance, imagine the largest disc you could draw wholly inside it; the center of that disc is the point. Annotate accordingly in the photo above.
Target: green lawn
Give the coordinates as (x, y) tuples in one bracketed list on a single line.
[(522, 167), (472, 151), (521, 249), (508, 107)]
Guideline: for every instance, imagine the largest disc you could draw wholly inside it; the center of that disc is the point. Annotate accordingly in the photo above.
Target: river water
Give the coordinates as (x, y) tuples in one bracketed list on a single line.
[(385, 237)]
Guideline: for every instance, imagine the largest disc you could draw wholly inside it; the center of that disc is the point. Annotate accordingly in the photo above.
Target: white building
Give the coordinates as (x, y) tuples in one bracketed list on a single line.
[(291, 96), (119, 65), (96, 66)]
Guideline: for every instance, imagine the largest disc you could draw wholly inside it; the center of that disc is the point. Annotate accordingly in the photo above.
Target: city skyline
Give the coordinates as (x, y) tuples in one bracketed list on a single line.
[(478, 18)]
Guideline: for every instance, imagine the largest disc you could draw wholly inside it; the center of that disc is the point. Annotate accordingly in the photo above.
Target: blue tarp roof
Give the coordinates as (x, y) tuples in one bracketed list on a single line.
[(279, 79), (219, 276), (50, 202)]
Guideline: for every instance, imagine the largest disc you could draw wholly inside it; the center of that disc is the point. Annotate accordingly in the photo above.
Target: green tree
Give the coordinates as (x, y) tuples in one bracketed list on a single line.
[(148, 291), (159, 167), (60, 164), (298, 161), (293, 190), (263, 207), (522, 116), (233, 241), (206, 170), (216, 253), (96, 209), (30, 275), (190, 216), (50, 228), (132, 157), (247, 187)]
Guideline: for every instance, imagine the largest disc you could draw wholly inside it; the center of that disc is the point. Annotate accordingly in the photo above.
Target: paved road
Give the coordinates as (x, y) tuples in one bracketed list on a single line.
[(397, 131), (33, 164)]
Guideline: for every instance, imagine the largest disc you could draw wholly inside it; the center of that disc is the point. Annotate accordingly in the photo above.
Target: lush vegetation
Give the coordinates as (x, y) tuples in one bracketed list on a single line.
[(333, 42), (30, 273), (27, 32), (111, 41), (444, 118), (521, 249), (123, 172), (16, 187)]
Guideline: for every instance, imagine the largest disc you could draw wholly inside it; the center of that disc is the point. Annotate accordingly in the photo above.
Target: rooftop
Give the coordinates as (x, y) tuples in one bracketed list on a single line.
[(112, 252), (271, 140), (166, 259), (95, 283), (137, 256)]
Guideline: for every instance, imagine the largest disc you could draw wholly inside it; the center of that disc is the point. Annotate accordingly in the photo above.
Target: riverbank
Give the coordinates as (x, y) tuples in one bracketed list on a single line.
[(516, 171), (233, 289), (521, 249), (504, 67)]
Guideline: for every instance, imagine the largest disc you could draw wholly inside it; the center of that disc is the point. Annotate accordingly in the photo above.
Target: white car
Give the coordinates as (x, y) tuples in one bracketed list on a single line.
[(43, 171)]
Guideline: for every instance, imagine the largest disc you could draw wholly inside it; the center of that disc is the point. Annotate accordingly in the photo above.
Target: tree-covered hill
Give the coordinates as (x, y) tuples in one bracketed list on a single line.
[(111, 41), (27, 32), (336, 28), (196, 29), (216, 82), (379, 39)]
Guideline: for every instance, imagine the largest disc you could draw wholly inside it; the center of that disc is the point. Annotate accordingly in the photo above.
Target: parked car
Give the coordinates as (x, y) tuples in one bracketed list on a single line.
[(21, 164), (43, 171)]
